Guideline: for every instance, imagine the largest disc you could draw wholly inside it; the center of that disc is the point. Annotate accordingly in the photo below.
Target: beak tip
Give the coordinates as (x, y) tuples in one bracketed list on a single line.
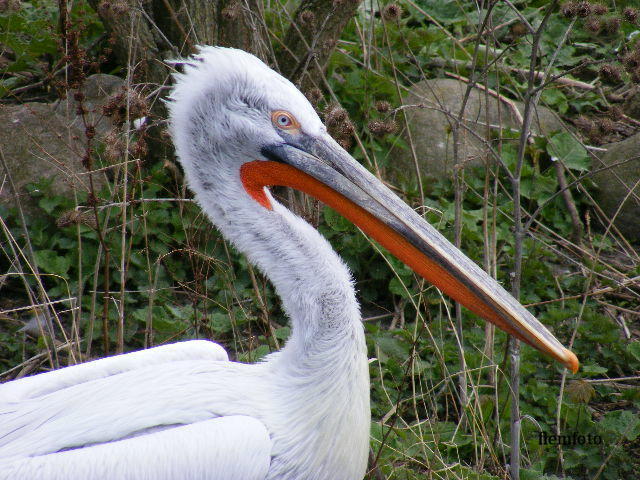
[(571, 361)]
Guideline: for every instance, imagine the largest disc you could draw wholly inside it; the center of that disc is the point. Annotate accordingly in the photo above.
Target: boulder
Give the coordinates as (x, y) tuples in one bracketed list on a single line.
[(47, 140), (438, 103), (619, 186), (631, 105), (96, 90)]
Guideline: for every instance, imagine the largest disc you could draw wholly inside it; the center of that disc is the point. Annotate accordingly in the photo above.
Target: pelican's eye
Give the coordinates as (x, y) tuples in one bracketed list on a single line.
[(284, 120)]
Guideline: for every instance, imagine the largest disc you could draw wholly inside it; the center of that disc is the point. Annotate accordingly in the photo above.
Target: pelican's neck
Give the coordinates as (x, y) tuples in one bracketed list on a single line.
[(313, 283)]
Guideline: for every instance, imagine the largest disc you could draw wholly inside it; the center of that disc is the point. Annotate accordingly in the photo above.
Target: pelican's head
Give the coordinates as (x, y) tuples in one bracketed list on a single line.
[(232, 105), (237, 123)]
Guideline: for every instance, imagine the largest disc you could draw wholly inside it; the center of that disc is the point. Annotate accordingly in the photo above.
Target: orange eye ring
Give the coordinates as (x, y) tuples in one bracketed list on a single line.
[(284, 120)]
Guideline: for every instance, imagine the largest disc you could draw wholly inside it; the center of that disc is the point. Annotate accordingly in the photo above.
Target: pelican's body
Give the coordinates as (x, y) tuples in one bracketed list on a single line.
[(184, 411)]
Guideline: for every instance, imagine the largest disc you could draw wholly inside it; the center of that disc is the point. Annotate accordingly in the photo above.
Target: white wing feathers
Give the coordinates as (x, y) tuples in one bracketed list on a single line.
[(176, 408), (228, 448), (38, 385)]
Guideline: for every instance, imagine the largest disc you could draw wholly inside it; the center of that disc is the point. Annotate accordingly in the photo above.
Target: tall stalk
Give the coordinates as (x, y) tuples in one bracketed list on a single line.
[(531, 98)]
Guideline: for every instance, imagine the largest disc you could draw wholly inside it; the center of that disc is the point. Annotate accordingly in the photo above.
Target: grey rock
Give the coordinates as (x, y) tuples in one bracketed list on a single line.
[(47, 141), (97, 89), (631, 105), (619, 186), (430, 126)]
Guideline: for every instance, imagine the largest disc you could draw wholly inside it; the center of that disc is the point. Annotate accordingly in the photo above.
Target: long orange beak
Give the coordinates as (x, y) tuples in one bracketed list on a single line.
[(325, 171)]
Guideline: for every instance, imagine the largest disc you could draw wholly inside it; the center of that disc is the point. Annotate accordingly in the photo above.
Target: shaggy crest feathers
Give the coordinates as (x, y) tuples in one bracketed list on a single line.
[(234, 77)]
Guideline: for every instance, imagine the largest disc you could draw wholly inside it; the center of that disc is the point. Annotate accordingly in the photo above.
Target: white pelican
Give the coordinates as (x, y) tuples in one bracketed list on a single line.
[(183, 411)]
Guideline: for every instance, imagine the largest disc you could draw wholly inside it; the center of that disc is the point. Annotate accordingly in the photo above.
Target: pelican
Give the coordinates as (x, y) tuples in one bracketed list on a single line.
[(184, 411)]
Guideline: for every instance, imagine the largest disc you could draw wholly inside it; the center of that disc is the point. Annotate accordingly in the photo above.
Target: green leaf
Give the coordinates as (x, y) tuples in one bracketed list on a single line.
[(51, 262), (396, 287), (220, 322), (591, 370), (335, 221), (554, 97), (283, 333), (634, 349), (393, 347), (539, 187), (623, 423), (563, 147)]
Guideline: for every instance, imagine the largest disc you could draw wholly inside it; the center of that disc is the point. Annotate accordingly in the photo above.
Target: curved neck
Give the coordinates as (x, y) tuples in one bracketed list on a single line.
[(313, 283)]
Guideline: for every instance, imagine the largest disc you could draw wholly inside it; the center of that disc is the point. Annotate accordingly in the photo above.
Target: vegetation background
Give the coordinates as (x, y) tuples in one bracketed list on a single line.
[(127, 261)]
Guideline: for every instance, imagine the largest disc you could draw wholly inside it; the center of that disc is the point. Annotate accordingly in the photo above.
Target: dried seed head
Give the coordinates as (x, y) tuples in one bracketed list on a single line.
[(90, 131), (391, 126), (75, 217), (9, 6), (569, 9), (335, 115), (345, 143), (593, 24), (113, 104), (346, 129), (612, 25), (88, 219), (116, 106), (392, 12), (86, 161), (615, 112), (114, 147), (307, 17), (380, 129), (599, 9), (377, 128), (631, 14), (584, 124), (230, 12), (382, 106), (631, 61), (119, 8), (314, 95), (139, 149), (583, 9), (606, 125), (610, 73), (595, 136), (138, 105), (70, 217)]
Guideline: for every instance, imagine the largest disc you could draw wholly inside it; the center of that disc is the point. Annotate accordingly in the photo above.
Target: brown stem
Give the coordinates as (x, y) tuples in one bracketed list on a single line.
[(576, 223)]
